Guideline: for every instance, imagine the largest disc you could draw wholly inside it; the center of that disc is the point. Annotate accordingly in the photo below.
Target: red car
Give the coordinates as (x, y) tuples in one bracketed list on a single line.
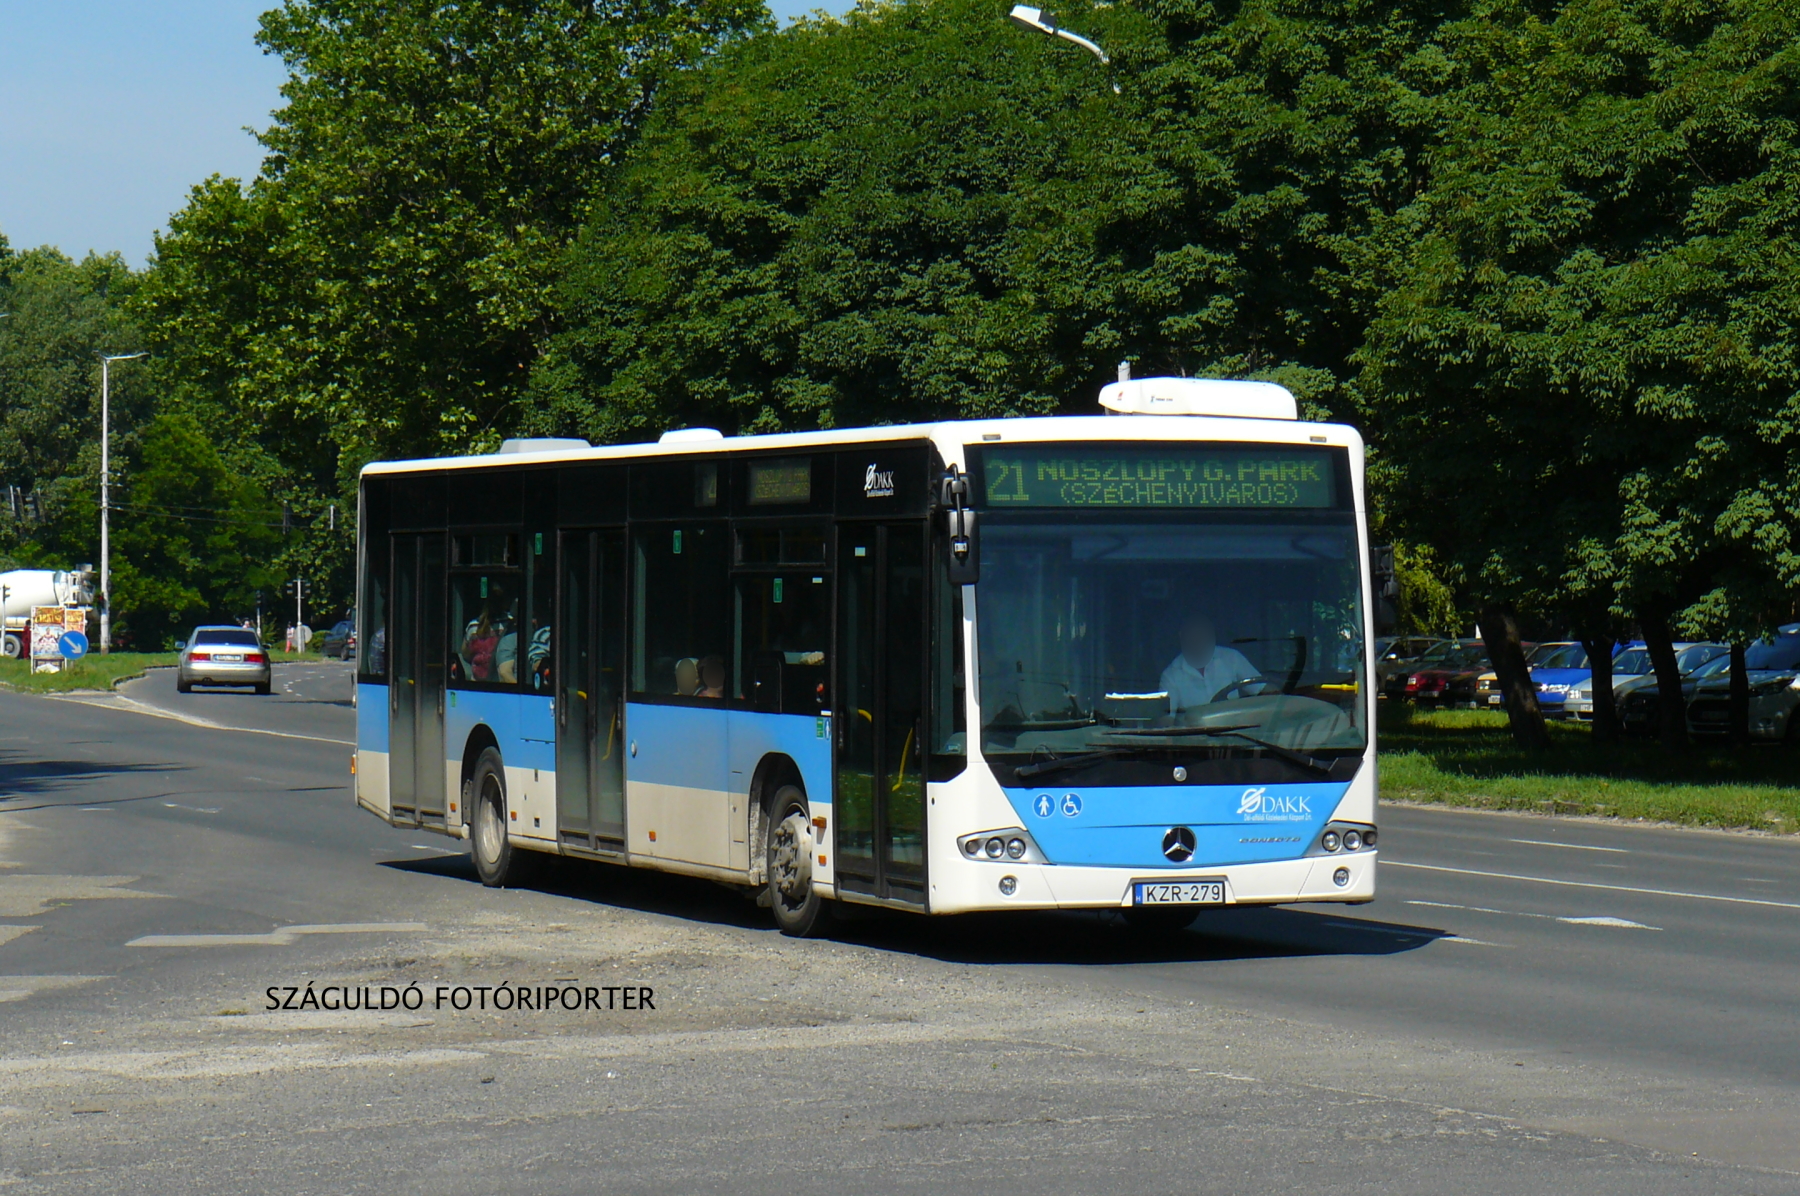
[(1450, 681)]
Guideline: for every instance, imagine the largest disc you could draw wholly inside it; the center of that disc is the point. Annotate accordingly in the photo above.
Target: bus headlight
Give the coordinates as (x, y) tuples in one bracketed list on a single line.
[(1352, 840), (1005, 844), (1009, 885), (1331, 841)]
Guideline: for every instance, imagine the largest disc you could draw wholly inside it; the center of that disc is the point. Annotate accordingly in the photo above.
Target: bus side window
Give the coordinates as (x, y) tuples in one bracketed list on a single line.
[(681, 609)]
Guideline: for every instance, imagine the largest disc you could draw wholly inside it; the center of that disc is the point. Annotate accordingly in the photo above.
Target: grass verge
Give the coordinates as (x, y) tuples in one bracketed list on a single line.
[(91, 672), (1467, 758)]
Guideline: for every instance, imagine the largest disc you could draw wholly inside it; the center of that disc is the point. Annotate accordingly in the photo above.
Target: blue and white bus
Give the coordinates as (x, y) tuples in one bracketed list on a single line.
[(1094, 662)]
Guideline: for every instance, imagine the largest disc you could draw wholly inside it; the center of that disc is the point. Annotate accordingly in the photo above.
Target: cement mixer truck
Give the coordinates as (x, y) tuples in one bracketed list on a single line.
[(22, 589)]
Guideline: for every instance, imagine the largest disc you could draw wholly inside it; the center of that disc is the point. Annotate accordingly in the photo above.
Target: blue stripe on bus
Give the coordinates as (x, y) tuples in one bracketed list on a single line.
[(371, 717), (1124, 827), (698, 747), (522, 724)]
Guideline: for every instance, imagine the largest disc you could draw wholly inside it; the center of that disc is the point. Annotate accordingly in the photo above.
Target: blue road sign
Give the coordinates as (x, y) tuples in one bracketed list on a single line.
[(72, 644)]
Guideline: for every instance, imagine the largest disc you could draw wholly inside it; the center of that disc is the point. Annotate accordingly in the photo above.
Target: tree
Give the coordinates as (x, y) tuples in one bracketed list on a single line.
[(194, 539), (379, 289), (62, 316), (921, 212), (1585, 368)]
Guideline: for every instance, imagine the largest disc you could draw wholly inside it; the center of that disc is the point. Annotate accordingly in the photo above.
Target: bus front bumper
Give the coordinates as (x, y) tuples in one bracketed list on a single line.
[(965, 885)]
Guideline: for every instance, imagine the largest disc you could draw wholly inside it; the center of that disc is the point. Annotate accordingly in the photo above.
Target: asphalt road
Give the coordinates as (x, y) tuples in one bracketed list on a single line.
[(1532, 1005)]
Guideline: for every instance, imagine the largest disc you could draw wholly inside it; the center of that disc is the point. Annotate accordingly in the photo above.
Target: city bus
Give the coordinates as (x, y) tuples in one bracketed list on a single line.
[(1108, 662)]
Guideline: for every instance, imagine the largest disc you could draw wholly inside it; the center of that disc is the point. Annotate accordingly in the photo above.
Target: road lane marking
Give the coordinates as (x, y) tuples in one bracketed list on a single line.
[(191, 809), (1589, 884), (1595, 920), (1573, 846), (17, 988), (1466, 940), (286, 936), (121, 702)]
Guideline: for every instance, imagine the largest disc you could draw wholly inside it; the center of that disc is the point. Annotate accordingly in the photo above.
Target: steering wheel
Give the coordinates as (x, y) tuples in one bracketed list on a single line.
[(1238, 685)]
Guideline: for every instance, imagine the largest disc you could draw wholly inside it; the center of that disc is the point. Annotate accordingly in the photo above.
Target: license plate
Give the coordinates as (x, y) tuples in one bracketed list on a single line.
[(1712, 716), (236, 659), (1178, 892), (1493, 699)]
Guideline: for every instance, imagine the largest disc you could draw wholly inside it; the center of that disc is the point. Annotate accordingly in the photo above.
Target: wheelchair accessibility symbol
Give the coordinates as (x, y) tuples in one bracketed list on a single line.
[(1045, 805), (1071, 806)]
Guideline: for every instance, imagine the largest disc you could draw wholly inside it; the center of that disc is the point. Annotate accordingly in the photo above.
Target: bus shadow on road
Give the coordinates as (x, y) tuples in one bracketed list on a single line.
[(1256, 932), (610, 884), (1263, 932)]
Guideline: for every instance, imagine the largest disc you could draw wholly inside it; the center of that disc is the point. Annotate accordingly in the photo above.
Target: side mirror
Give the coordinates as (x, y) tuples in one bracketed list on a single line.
[(964, 539), (181, 645)]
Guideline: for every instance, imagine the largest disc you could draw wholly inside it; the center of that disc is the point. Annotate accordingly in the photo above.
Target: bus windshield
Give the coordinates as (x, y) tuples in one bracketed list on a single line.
[(1147, 634)]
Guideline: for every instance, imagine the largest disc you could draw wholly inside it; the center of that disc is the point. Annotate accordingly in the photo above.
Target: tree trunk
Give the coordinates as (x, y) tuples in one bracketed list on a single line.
[(1606, 712), (1500, 626), (1740, 698), (1671, 710)]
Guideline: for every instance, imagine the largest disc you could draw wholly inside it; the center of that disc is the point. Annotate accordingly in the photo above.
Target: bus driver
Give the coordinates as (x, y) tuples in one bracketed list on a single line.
[(1204, 672)]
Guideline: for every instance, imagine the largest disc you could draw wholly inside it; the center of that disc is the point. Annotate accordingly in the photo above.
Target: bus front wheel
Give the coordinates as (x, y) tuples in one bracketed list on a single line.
[(495, 860), (799, 910)]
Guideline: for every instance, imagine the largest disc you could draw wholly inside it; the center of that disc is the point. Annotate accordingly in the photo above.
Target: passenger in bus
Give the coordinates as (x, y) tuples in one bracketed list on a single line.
[(1205, 672), (506, 652), (687, 676), (537, 659), (478, 649), (712, 677)]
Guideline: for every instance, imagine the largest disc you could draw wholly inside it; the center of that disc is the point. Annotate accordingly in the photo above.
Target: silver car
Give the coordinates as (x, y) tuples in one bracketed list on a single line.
[(223, 656)]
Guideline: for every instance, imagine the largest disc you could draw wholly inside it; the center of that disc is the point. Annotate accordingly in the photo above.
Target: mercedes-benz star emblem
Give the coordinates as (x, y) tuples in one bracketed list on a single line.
[(1178, 844)]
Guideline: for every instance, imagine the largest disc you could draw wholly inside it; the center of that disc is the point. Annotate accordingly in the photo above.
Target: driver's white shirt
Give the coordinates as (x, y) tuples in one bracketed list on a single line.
[(1189, 686)]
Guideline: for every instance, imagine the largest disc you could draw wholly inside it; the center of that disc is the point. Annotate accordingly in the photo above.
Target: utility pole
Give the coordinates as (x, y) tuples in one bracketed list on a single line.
[(297, 588), (106, 494)]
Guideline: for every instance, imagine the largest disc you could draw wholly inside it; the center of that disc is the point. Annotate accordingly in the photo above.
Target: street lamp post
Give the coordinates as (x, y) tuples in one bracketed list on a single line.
[(106, 494), (1033, 18)]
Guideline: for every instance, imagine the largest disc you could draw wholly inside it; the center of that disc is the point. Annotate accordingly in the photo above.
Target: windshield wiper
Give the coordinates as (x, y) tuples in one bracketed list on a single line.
[(1025, 772), (1322, 767)]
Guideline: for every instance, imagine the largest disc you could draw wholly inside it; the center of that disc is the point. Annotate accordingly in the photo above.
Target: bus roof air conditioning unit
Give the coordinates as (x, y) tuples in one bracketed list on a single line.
[(543, 444), (1199, 396), (690, 436)]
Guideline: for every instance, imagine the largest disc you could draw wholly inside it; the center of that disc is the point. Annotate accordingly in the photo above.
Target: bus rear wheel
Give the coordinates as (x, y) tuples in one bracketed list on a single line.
[(799, 910), (496, 862)]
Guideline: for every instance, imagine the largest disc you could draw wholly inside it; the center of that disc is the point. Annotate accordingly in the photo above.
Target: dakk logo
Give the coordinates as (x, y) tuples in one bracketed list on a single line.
[(1257, 806), (878, 483)]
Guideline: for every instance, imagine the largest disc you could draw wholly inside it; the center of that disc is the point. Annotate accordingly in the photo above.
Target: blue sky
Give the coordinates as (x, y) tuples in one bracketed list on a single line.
[(110, 110)]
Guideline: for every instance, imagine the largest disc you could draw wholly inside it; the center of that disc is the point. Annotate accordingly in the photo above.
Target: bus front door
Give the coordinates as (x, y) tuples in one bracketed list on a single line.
[(590, 694), (417, 651), (880, 799)]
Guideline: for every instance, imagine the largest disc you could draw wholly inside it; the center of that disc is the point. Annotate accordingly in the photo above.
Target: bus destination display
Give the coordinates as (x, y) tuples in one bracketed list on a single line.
[(1234, 476)]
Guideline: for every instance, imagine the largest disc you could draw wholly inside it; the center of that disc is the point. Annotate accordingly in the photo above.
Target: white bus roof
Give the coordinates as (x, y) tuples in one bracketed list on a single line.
[(949, 437)]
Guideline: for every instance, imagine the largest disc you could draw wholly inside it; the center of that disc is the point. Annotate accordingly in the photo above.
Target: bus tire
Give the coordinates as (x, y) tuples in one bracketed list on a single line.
[(12, 647), (496, 861), (797, 906), (1162, 919)]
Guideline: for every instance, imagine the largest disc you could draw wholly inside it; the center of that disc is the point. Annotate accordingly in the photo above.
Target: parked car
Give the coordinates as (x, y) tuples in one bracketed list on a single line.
[(1638, 709), (1555, 673), (1400, 654), (1632, 671), (1487, 686), (1450, 680), (1774, 673), (340, 641), (223, 656), (1395, 686)]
